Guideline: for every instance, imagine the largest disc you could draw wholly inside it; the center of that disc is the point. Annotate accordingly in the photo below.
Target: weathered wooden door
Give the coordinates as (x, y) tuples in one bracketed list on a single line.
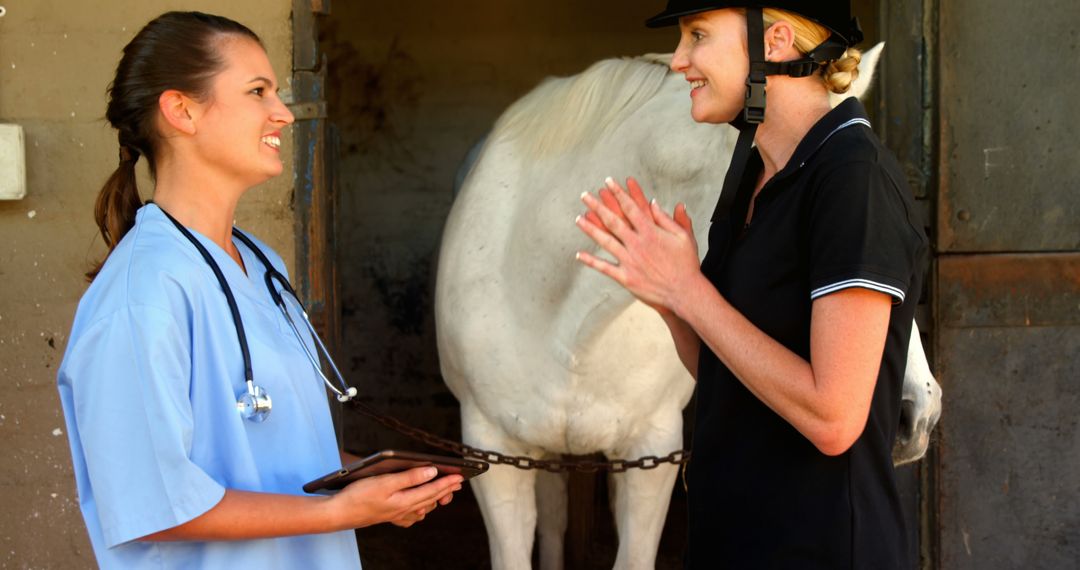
[(314, 200), (313, 188), (902, 119)]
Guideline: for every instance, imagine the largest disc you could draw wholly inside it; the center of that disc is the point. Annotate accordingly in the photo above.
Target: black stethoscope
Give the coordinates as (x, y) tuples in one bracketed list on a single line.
[(255, 404)]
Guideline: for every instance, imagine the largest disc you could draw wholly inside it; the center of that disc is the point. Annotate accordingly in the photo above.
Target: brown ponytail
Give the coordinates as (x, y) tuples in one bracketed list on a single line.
[(177, 50), (117, 204)]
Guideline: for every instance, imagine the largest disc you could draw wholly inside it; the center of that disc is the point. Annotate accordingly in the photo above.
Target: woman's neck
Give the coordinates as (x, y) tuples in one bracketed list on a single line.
[(199, 201), (794, 108)]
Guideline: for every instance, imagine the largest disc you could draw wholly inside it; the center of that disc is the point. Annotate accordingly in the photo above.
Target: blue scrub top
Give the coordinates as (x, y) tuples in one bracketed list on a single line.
[(149, 384)]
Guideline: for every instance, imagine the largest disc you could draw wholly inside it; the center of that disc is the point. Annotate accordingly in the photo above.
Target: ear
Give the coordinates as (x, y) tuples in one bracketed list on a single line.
[(780, 42), (867, 70), (176, 109)]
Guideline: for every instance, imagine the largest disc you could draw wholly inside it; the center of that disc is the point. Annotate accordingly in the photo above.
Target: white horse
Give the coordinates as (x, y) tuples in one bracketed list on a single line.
[(549, 358)]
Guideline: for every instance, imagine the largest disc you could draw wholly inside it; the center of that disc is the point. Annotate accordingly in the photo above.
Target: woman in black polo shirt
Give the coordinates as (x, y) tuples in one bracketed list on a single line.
[(797, 322)]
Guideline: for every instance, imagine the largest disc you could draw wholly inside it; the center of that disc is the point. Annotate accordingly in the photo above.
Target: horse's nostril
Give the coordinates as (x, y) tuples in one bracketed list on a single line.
[(907, 420)]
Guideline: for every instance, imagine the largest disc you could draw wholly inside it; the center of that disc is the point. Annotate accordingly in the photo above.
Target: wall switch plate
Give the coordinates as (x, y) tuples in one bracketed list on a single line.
[(12, 163)]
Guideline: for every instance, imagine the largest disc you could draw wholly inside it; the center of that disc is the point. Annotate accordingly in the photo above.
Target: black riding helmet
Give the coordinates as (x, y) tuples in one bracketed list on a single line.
[(834, 15)]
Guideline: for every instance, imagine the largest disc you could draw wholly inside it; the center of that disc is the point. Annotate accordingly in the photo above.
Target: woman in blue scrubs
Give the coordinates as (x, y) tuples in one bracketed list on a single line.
[(169, 473)]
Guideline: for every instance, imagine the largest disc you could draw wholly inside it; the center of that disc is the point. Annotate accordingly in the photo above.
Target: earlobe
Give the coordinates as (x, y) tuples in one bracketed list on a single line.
[(176, 110)]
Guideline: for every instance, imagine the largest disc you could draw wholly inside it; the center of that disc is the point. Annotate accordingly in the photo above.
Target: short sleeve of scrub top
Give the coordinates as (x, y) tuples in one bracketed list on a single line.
[(134, 419), (861, 233), (149, 385)]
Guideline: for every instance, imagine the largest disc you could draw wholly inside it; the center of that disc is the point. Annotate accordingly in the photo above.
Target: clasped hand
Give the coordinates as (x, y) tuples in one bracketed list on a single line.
[(656, 254)]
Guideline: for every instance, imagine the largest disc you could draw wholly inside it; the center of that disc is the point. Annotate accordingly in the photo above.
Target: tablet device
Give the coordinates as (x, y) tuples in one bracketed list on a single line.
[(392, 461)]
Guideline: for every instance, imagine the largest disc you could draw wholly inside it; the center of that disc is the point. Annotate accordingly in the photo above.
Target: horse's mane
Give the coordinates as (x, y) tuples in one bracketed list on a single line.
[(565, 112)]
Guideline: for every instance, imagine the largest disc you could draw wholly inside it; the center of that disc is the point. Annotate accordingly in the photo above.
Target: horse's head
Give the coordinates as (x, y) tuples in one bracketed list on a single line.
[(920, 406)]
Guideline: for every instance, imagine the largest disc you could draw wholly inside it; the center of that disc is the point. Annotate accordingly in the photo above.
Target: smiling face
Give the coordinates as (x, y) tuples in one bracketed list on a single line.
[(712, 55), (238, 127)]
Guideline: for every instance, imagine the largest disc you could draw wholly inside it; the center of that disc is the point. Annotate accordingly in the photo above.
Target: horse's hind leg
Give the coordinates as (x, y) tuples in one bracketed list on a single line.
[(641, 498), (506, 495), (551, 499)]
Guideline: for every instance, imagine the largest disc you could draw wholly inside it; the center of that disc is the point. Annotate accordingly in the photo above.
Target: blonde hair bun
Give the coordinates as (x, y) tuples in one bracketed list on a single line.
[(840, 74)]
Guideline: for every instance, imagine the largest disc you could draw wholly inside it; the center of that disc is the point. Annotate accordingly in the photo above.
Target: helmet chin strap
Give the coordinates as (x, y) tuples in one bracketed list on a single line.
[(753, 112)]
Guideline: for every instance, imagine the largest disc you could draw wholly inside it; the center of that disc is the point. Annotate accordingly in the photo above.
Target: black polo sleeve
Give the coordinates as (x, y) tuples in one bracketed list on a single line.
[(863, 232)]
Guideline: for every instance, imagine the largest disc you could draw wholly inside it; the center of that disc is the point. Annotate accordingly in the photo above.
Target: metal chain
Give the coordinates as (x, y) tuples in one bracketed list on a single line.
[(679, 457)]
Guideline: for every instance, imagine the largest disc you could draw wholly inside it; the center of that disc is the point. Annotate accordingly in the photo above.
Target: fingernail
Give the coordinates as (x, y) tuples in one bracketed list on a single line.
[(577, 256), (431, 472), (609, 181), (583, 195), (577, 219)]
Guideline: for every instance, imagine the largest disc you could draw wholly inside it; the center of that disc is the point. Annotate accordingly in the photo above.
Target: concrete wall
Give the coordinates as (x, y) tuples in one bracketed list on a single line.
[(56, 59)]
